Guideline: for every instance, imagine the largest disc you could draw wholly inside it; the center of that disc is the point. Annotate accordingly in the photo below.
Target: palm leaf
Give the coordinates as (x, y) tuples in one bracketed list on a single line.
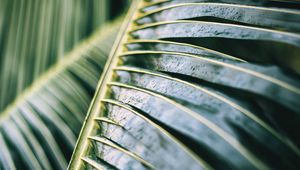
[(39, 130), (198, 84), (36, 34)]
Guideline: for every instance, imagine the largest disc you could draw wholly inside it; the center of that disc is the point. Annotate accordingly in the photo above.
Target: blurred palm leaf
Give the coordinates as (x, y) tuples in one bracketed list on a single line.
[(198, 84), (35, 34), (40, 129), (39, 126)]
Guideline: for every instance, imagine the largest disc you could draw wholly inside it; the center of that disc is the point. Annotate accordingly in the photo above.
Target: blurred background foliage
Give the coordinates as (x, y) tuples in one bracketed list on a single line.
[(35, 34), (51, 57)]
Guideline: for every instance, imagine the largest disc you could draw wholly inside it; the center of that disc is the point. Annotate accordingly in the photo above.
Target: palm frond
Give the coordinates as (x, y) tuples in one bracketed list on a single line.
[(198, 84), (36, 34), (39, 130)]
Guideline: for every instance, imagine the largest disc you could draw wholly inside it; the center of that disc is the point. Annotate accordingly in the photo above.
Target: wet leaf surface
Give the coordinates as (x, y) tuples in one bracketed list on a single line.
[(179, 94)]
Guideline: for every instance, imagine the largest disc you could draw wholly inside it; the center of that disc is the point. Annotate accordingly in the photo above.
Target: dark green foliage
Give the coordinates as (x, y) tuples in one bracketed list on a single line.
[(40, 130)]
